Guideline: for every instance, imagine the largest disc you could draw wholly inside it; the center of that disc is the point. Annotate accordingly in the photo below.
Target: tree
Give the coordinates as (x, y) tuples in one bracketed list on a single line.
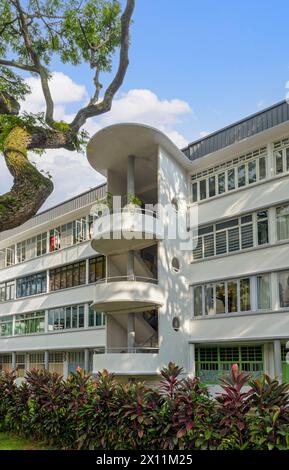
[(32, 33)]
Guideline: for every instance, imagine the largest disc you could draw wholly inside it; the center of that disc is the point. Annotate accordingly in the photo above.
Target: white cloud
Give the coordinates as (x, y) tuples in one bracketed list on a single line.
[(63, 90), (71, 171)]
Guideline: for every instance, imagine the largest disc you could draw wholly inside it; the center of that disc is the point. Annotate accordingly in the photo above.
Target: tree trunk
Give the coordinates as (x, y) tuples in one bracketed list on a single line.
[(30, 187)]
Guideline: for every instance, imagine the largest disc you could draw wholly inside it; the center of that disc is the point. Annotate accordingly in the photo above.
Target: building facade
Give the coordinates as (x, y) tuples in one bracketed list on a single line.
[(102, 282)]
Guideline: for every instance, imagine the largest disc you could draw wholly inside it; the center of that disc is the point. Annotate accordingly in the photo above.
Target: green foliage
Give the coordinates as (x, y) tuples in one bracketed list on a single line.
[(67, 29), (13, 83), (135, 200), (86, 412)]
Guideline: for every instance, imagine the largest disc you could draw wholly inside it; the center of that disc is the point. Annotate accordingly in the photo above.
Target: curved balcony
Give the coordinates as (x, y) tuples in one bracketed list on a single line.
[(127, 294), (128, 229)]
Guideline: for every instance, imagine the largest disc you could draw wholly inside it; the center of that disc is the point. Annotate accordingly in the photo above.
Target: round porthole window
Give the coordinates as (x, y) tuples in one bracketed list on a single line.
[(176, 323), (175, 265), (175, 205)]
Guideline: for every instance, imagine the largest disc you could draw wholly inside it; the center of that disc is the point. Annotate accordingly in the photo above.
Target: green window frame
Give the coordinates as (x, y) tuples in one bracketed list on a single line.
[(214, 363)]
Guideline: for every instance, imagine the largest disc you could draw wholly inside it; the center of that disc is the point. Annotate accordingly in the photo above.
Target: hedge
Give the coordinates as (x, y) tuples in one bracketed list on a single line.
[(98, 412)]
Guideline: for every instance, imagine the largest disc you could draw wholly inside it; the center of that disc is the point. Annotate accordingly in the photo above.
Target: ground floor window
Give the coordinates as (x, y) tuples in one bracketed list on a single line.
[(5, 362), (213, 363), (75, 360), (36, 361), (55, 364)]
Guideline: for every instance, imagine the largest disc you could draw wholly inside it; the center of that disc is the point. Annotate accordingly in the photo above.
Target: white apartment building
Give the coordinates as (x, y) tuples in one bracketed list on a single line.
[(112, 290)]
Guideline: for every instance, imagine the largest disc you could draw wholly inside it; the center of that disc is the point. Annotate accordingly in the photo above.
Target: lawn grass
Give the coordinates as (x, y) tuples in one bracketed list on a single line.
[(13, 442)]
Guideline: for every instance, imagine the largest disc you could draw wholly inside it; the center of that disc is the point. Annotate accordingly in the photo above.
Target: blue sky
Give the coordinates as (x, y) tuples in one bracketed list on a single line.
[(195, 66)]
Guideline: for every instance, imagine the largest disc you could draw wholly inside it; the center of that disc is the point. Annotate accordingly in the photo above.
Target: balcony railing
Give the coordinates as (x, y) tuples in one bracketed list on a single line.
[(127, 350), (129, 278)]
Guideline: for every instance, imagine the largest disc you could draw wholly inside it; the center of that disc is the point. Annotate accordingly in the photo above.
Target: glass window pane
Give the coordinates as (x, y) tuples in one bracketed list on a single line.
[(232, 297), (198, 301), (241, 176), (252, 171), (263, 235), (220, 298), (74, 317), (203, 189), (221, 183), (68, 317), (209, 299), (212, 186), (282, 217), (81, 316), (262, 168), (198, 251), (283, 283), (245, 301), (231, 179), (195, 192), (91, 317), (279, 162), (263, 291)]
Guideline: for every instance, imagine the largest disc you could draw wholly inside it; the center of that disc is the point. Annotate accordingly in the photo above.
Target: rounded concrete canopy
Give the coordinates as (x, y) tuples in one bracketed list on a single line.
[(110, 147)]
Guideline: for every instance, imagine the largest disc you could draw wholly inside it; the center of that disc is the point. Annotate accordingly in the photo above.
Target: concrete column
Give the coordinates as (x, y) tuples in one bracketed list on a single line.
[(191, 361), (131, 174), (278, 360), (131, 330), (14, 360), (46, 360), (86, 360)]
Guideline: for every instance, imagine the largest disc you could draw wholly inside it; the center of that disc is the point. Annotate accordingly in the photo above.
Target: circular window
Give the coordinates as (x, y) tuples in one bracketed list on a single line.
[(175, 264), (175, 205), (176, 323)]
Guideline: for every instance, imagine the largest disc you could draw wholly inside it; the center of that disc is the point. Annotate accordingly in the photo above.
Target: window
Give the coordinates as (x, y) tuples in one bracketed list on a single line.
[(31, 285), (95, 318), (252, 172), (65, 318), (7, 291), (231, 179), (97, 269), (6, 325), (232, 235), (214, 363), (31, 248), (279, 162), (7, 257), (222, 297), (71, 275), (241, 176), (36, 361), (203, 189), (283, 285), (198, 306), (212, 186), (263, 292), (262, 227), (28, 323), (282, 220), (5, 362), (230, 175), (221, 183)]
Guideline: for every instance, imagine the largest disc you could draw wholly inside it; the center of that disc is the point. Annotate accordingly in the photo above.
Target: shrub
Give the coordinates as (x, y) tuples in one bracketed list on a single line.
[(86, 412)]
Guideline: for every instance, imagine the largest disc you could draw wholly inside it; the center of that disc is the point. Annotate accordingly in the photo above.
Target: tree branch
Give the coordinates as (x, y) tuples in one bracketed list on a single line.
[(18, 65), (105, 105), (40, 69)]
